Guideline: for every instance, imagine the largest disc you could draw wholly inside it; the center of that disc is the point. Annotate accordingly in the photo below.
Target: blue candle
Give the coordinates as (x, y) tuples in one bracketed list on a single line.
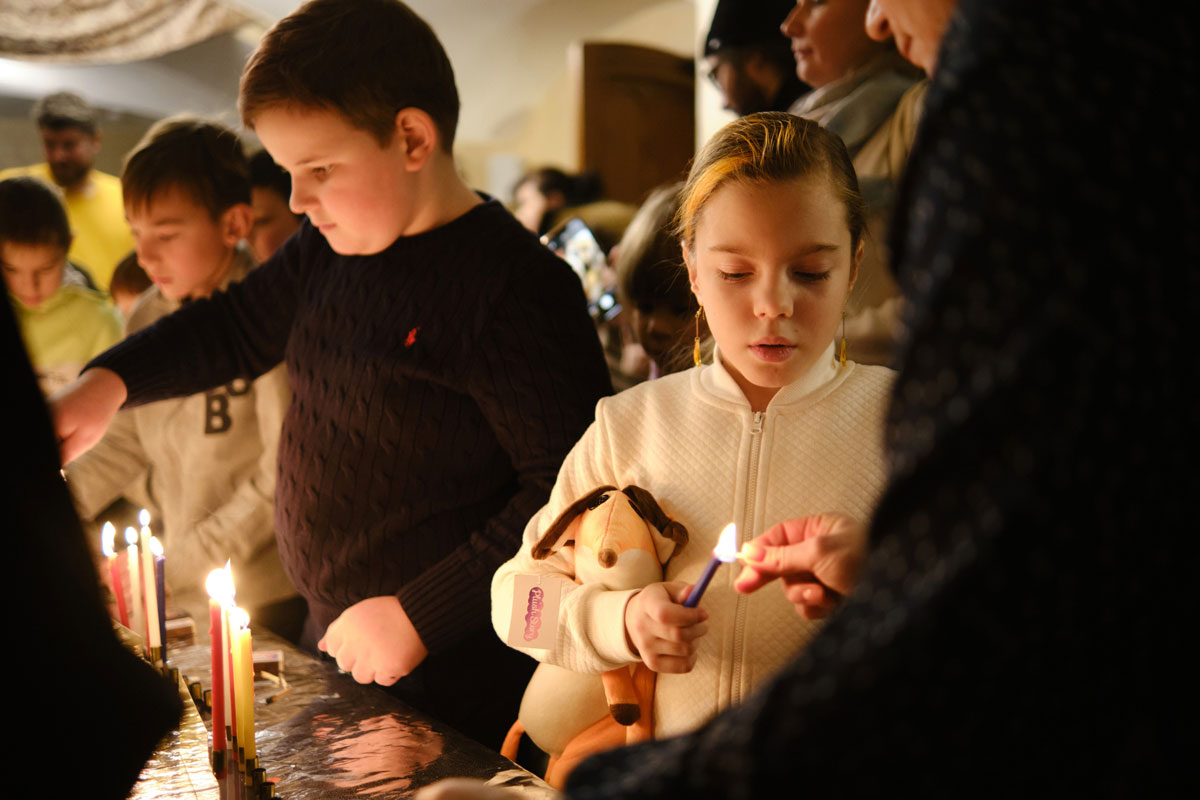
[(723, 553), (702, 584), (160, 572)]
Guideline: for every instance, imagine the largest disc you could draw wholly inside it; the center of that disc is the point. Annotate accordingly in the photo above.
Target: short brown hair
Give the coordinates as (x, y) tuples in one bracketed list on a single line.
[(201, 158), (650, 268), (366, 60), (63, 110), (770, 146), (129, 276), (32, 212)]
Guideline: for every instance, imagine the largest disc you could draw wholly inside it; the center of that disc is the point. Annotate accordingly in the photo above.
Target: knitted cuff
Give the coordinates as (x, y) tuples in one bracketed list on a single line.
[(445, 608), (145, 379)]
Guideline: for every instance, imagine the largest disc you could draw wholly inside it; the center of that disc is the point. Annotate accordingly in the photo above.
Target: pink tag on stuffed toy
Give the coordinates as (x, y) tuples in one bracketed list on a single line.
[(534, 621)]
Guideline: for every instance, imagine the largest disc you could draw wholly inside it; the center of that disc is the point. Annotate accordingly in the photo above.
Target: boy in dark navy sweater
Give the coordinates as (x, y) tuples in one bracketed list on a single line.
[(442, 361)]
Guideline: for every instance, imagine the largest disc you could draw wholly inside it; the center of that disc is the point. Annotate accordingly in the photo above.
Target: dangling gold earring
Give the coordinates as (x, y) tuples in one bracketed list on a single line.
[(696, 360), (842, 353)]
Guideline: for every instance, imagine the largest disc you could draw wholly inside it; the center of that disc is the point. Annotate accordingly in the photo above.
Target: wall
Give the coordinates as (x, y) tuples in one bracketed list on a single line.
[(545, 133)]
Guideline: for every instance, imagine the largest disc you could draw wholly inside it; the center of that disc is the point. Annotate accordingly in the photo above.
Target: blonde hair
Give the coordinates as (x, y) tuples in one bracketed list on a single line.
[(770, 146)]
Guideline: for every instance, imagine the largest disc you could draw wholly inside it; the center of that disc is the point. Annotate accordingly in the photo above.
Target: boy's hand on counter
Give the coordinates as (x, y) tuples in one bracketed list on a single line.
[(374, 641), (82, 410), (661, 629)]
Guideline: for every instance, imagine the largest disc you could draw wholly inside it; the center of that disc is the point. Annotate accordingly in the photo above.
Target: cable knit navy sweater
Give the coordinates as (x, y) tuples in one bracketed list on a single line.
[(436, 388)]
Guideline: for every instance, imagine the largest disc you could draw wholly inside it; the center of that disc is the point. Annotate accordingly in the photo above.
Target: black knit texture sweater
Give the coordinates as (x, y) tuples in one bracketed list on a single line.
[(436, 388)]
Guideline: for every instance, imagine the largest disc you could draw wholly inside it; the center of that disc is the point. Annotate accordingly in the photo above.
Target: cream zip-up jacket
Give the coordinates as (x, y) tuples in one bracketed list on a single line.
[(211, 459), (692, 440)]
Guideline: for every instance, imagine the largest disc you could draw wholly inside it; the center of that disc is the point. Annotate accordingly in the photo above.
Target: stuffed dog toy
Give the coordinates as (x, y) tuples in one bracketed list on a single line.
[(621, 539)]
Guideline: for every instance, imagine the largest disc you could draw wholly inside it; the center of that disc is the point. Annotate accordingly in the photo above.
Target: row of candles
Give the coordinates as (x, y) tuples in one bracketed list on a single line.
[(145, 573), (232, 698), (142, 568)]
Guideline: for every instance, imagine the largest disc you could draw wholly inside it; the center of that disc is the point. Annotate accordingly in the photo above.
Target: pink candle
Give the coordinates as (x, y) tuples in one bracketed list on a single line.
[(220, 592), (218, 681), (108, 538)]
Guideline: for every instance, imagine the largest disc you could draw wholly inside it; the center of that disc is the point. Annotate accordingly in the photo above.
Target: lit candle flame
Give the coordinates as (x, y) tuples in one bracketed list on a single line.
[(131, 537), (220, 586), (143, 517), (108, 539), (238, 619), (726, 549), (156, 546)]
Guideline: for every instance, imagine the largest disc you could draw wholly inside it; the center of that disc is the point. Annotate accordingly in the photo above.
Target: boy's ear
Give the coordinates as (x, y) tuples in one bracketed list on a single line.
[(418, 135), (235, 223)]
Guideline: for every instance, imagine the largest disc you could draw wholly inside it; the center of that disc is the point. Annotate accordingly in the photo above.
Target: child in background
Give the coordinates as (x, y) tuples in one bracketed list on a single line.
[(653, 283), (270, 193), (442, 361), (776, 427), (63, 322), (211, 455), (129, 280)]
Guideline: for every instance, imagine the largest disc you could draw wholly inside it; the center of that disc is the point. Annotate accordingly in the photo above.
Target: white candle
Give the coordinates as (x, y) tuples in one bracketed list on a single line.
[(150, 590), (138, 612)]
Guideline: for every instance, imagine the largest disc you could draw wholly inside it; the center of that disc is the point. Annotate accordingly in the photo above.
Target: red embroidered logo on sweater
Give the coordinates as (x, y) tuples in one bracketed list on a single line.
[(412, 336)]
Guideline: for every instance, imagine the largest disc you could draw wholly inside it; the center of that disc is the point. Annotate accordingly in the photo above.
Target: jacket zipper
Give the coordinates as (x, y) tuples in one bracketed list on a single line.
[(745, 533)]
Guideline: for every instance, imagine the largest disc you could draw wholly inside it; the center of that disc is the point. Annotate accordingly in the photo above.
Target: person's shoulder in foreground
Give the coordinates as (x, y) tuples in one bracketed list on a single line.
[(132, 706), (981, 648)]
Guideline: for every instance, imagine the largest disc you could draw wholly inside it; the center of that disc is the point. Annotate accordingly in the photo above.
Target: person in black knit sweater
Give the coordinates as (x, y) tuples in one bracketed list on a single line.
[(442, 362), (1023, 608)]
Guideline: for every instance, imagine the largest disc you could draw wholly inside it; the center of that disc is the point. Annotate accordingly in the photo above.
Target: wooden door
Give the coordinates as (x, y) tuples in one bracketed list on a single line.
[(636, 116)]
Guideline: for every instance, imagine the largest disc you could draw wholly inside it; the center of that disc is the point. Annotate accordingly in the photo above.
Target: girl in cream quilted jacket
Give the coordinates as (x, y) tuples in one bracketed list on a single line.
[(780, 425)]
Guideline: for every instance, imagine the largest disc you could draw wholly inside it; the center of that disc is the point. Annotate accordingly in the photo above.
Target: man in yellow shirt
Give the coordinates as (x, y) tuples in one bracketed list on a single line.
[(71, 140)]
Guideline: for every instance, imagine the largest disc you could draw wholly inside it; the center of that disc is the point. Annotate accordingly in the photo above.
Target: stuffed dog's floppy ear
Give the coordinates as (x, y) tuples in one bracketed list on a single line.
[(652, 512), (549, 541)]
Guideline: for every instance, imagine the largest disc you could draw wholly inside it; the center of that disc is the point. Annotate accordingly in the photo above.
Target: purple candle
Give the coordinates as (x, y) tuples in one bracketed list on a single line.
[(160, 587), (724, 553)]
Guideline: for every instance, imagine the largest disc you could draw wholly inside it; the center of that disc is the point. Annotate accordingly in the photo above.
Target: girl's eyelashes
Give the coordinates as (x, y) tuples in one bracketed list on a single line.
[(802, 276)]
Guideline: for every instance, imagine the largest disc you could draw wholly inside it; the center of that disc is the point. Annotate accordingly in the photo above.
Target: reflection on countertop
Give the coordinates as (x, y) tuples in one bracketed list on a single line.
[(325, 736)]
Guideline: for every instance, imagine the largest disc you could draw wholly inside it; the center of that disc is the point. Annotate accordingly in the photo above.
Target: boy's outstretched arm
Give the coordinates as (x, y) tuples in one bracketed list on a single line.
[(240, 332), (82, 410)]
